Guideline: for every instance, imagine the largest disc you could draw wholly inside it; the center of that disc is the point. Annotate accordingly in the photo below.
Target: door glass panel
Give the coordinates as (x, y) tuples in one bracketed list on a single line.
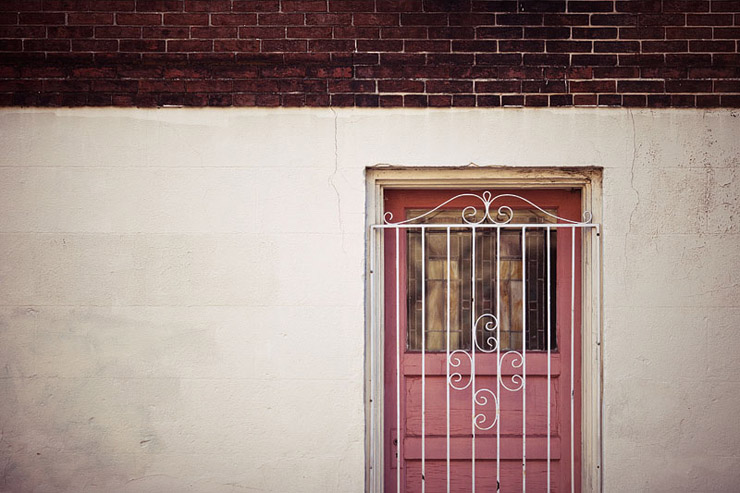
[(509, 280)]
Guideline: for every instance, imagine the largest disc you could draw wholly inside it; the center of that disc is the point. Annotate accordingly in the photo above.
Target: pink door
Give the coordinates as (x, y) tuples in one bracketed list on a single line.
[(473, 401)]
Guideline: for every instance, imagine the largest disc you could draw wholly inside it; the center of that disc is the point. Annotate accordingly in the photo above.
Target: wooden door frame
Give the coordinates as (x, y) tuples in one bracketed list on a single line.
[(589, 181)]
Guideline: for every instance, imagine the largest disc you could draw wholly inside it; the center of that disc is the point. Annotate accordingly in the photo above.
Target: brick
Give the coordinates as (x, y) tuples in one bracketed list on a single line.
[(233, 19), (519, 19), (712, 46), (320, 45), (616, 47), (262, 32), (639, 6), (400, 85), (366, 100), (512, 100), (561, 100), (726, 60), (546, 59), (447, 6), (138, 19), (494, 6), (584, 100), (593, 86), (664, 46), (707, 101), (303, 5), (663, 20), (213, 32), (566, 20), (727, 33), (439, 101), (309, 32), (423, 20), (499, 32), (375, 19), (284, 45), (692, 60), (634, 100), (207, 5), (236, 45), (498, 86), (708, 20), (542, 5), (689, 33), (522, 46), (683, 100), (328, 19), (594, 33), (642, 60), (112, 5), (594, 60), (398, 5), (186, 19), (685, 5), (39, 18), (454, 33), (116, 32), (380, 45), (33, 72), (725, 6), (568, 46), (158, 5), (616, 72), (536, 100), (488, 100), (614, 20), (351, 5), (688, 85), (143, 45), (590, 6), (730, 101), (664, 72), (280, 19), (449, 86), (463, 59), (726, 86), (548, 32), (652, 32), (69, 31), (353, 86), (463, 100), (255, 5), (506, 59), (46, 44), (610, 100), (426, 46), (475, 45), (640, 86), (472, 20)]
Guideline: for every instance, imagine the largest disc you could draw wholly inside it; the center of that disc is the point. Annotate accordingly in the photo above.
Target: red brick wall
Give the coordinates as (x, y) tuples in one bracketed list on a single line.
[(414, 53)]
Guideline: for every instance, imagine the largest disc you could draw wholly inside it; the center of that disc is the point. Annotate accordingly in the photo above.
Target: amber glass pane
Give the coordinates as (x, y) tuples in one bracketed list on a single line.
[(460, 280)]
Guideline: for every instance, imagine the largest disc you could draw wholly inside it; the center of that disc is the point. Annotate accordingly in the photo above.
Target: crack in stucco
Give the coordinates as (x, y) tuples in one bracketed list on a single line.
[(632, 170), (333, 175)]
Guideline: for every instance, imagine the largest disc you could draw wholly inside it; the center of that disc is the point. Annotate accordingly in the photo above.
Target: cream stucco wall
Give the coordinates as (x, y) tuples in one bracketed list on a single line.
[(182, 290)]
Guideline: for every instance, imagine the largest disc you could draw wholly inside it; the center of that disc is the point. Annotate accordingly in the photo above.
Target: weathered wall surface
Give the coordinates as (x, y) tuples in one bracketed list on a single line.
[(181, 291)]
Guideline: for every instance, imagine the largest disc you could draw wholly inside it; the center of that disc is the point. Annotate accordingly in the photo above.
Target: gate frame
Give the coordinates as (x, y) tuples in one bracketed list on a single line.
[(586, 179)]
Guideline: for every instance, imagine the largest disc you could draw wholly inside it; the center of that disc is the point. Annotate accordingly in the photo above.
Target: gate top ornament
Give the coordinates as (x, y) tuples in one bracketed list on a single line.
[(487, 200)]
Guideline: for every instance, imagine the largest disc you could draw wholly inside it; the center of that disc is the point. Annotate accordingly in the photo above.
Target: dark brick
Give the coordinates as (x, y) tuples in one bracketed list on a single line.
[(475, 45), (616, 47), (400, 85), (634, 100), (449, 86), (233, 19), (568, 46), (594, 33), (499, 32), (549, 32), (652, 32), (639, 6), (519, 19), (561, 100), (610, 100), (593, 86), (641, 86), (303, 5), (590, 6), (594, 60)]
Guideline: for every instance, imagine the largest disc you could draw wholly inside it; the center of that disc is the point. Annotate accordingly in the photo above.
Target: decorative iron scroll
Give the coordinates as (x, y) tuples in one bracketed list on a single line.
[(487, 200)]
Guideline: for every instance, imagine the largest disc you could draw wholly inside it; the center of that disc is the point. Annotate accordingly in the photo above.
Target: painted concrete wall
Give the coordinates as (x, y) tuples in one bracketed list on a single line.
[(181, 291)]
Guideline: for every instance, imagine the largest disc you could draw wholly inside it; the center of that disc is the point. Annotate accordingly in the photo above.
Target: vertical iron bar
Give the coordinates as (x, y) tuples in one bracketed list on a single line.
[(399, 436), (472, 358), (423, 358), (447, 366), (498, 359), (373, 235), (549, 350), (524, 359), (572, 350)]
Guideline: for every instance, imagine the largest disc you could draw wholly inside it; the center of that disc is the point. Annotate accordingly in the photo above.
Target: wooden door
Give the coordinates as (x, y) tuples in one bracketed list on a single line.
[(466, 389)]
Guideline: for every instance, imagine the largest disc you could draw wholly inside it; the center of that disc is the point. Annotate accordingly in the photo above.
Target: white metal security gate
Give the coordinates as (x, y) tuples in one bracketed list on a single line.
[(492, 368)]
